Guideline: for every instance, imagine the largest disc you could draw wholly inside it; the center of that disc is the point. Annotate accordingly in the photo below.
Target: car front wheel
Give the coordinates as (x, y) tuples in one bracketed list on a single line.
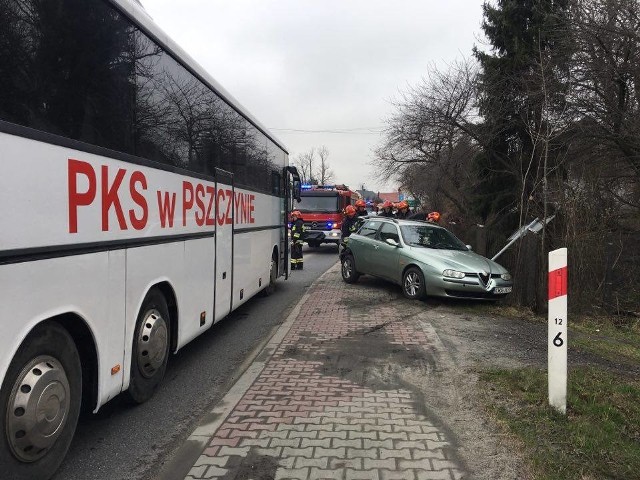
[(413, 286), (349, 273)]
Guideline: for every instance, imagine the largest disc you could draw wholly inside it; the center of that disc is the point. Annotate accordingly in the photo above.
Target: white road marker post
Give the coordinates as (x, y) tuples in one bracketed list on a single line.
[(557, 335)]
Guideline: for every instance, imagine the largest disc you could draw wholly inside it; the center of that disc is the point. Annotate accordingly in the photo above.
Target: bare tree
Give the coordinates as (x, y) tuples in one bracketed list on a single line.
[(305, 163), (324, 174), (430, 141)]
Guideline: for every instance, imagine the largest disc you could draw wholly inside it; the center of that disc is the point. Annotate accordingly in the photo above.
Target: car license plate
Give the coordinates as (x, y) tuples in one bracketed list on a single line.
[(499, 290)]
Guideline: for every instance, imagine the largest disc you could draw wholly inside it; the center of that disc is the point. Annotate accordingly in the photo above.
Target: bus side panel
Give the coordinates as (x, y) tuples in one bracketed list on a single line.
[(198, 288), (253, 248), (148, 266), (224, 245), (250, 263), (89, 286)]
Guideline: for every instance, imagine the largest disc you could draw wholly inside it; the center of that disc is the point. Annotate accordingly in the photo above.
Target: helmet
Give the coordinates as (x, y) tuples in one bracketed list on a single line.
[(296, 213), (360, 203), (434, 216), (350, 211), (387, 204), (402, 204)]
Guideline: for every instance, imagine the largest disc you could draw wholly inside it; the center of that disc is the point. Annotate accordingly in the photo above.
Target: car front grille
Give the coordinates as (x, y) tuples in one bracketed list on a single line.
[(480, 295)]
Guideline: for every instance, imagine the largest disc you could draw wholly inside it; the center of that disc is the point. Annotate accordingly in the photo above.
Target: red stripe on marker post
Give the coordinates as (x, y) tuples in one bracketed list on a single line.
[(558, 283)]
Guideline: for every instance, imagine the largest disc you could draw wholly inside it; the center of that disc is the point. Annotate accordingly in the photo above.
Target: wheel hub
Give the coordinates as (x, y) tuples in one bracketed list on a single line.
[(346, 269), (412, 284), (37, 409), (152, 343)]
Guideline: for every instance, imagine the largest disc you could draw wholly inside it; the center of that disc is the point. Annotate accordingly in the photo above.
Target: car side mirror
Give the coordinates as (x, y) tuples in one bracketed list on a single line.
[(470, 248), (392, 242)]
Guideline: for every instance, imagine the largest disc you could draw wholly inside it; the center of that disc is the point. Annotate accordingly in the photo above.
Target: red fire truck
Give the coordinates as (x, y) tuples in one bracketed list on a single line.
[(321, 207)]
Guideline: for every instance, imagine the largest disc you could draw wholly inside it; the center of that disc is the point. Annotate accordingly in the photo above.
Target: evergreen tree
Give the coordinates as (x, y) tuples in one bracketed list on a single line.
[(525, 37)]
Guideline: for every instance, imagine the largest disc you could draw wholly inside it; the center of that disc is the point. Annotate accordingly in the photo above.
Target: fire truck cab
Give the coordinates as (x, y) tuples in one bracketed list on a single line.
[(321, 207)]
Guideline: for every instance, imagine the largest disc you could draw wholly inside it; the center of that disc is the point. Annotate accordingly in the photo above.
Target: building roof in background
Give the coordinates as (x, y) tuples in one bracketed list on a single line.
[(368, 194), (391, 196)]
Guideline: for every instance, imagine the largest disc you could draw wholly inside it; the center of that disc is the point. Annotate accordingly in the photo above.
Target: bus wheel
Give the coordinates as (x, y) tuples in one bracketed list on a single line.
[(273, 276), (39, 404), (150, 350)]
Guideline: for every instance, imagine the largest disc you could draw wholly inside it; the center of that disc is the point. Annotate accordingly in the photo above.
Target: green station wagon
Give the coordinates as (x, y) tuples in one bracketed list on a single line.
[(424, 259)]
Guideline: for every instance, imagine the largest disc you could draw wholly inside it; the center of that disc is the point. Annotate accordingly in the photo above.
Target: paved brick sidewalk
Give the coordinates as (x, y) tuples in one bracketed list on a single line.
[(326, 403)]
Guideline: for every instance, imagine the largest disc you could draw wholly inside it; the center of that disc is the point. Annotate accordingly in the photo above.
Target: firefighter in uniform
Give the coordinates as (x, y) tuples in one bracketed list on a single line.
[(349, 225), (387, 209), (433, 217), (297, 240), (361, 208), (403, 210)]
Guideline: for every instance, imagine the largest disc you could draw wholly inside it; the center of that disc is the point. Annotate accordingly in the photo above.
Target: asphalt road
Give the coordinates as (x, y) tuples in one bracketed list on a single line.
[(124, 442)]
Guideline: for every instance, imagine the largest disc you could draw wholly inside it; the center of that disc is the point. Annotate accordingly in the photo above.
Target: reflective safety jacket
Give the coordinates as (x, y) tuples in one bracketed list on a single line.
[(297, 231), (349, 225)]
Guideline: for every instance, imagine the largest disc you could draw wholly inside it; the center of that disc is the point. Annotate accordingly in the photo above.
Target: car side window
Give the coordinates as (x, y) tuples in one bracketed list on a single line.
[(389, 230), (369, 229)]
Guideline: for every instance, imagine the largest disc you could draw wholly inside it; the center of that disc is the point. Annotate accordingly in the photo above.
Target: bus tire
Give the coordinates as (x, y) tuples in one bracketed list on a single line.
[(150, 351), (40, 403), (273, 276)]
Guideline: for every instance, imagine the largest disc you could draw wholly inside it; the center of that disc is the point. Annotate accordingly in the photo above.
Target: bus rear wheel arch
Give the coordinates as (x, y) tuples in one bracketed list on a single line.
[(40, 403), (273, 274), (151, 346)]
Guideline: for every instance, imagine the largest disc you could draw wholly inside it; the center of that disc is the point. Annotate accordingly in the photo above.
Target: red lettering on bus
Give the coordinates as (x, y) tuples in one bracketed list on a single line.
[(200, 213), (77, 199), (229, 213), (238, 199), (110, 197), (187, 203), (212, 194), (251, 209), (137, 197), (166, 208), (219, 202)]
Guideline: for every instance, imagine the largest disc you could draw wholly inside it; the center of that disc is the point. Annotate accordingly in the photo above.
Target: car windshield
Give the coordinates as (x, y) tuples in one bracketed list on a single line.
[(430, 237)]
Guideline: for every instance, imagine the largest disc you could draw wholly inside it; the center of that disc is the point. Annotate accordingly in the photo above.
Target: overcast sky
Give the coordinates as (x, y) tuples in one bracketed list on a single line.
[(322, 66)]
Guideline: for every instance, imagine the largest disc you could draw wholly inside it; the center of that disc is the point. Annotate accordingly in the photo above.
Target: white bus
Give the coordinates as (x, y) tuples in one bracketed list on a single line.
[(139, 205)]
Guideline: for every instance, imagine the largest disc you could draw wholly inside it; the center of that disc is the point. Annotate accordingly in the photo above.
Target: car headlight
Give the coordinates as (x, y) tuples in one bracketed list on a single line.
[(452, 274), (505, 276)]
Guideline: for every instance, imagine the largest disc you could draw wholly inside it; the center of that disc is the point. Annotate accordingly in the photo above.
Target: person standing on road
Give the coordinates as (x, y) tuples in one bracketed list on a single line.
[(349, 225), (361, 208), (297, 240)]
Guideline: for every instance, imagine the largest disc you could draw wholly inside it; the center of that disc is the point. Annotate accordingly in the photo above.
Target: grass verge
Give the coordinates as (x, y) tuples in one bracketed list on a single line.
[(599, 438)]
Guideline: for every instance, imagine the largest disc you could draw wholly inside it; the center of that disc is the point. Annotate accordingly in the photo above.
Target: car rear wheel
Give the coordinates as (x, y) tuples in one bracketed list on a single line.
[(413, 286), (349, 272)]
